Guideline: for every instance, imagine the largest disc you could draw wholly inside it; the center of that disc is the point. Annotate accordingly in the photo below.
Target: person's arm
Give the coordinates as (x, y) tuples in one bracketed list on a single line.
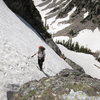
[(34, 54)]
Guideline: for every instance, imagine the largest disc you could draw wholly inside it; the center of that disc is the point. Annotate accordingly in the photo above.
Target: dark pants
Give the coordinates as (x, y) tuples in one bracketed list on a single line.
[(40, 62)]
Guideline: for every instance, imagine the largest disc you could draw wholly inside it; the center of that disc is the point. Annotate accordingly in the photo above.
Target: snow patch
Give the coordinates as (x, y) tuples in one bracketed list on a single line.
[(86, 61), (56, 25), (37, 2), (88, 38), (86, 14)]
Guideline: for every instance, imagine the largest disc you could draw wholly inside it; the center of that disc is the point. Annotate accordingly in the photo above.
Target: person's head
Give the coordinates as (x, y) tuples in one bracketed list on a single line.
[(41, 48)]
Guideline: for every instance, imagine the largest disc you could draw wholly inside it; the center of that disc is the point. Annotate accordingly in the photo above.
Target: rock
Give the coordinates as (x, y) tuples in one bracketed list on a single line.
[(51, 43), (60, 87)]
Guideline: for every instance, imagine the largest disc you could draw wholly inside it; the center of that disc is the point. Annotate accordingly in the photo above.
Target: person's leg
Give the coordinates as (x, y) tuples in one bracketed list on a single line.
[(40, 63)]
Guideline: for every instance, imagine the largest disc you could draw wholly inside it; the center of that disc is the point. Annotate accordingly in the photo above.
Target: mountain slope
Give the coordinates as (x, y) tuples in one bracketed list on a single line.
[(78, 20), (63, 16), (18, 41)]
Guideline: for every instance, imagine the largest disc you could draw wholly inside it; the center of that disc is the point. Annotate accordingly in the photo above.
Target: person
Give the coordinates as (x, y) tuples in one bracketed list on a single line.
[(41, 56)]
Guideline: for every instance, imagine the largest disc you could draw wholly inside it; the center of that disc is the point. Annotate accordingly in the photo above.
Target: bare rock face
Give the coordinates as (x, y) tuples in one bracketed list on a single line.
[(66, 85)]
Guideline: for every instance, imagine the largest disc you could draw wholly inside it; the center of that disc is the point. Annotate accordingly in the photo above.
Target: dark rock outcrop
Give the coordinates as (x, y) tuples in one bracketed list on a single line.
[(52, 44)]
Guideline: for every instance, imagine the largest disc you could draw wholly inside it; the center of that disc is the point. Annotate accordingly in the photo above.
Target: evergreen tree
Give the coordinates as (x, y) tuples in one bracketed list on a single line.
[(76, 47)]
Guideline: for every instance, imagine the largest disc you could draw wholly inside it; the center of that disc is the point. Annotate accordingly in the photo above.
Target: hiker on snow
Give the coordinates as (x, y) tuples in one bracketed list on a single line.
[(41, 56)]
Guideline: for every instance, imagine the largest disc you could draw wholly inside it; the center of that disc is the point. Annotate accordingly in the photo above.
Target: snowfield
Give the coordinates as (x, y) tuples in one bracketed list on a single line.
[(18, 42), (86, 61), (89, 38)]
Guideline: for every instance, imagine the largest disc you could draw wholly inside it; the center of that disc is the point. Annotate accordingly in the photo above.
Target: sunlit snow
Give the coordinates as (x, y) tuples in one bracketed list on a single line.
[(86, 61), (89, 38), (86, 14)]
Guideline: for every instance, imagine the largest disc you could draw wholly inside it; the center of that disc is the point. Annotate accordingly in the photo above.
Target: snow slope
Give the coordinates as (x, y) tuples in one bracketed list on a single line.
[(86, 61), (18, 42)]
